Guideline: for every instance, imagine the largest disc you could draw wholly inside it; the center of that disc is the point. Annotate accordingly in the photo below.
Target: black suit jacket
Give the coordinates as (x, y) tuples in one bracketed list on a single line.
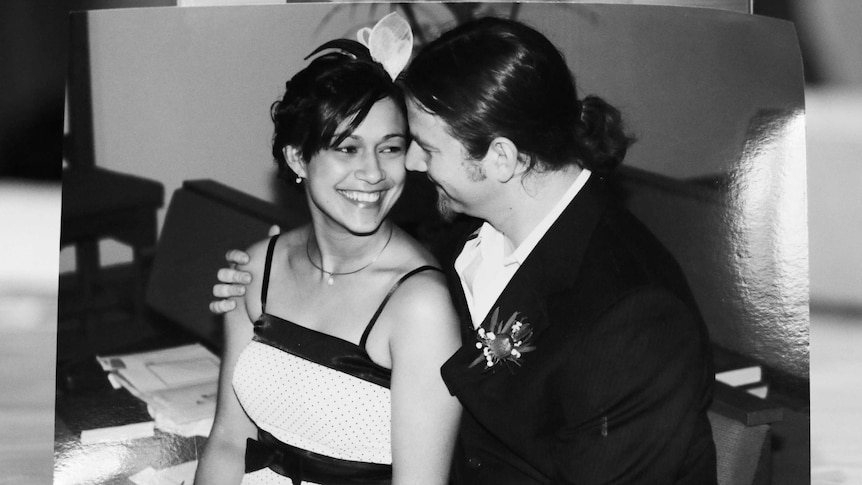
[(618, 386)]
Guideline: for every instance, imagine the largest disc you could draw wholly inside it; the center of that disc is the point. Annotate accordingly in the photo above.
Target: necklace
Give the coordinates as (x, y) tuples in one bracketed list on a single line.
[(332, 274)]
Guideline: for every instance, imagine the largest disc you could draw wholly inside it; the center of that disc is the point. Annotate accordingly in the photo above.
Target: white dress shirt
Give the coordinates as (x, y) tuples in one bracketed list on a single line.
[(488, 262)]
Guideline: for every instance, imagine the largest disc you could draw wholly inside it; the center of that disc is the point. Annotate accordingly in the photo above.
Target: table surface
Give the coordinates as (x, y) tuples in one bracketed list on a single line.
[(111, 462)]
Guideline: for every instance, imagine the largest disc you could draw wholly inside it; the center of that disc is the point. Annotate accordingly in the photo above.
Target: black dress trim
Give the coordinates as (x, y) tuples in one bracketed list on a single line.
[(301, 465), (320, 348)]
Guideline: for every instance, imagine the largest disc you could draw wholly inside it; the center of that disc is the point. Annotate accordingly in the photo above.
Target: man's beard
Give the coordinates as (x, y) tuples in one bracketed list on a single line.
[(444, 206), (475, 171)]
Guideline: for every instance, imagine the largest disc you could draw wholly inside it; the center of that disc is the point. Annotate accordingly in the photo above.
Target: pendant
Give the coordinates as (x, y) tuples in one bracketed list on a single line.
[(330, 281)]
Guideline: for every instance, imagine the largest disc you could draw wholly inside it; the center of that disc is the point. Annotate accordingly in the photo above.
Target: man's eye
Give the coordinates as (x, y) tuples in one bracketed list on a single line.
[(346, 149)]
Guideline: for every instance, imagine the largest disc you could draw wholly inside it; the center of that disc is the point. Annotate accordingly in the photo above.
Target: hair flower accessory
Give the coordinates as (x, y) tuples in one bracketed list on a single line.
[(390, 43), (504, 342)]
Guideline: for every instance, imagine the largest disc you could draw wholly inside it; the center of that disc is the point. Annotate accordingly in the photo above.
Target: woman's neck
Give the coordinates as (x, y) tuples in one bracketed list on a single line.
[(340, 251)]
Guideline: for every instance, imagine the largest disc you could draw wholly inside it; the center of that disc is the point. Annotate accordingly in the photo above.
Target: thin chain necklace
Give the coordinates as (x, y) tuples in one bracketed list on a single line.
[(330, 280)]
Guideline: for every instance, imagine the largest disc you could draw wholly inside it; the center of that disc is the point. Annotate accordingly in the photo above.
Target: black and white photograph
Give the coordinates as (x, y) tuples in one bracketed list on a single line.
[(431, 243)]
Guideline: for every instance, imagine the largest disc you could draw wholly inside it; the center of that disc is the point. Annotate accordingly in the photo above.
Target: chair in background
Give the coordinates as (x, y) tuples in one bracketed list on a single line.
[(99, 204), (741, 428), (204, 219)]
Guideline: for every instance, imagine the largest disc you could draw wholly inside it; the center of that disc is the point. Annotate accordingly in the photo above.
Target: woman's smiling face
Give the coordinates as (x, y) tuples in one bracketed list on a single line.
[(355, 184)]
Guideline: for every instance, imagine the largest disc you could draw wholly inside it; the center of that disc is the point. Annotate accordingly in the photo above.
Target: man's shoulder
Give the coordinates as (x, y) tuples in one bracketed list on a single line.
[(622, 251), (623, 257)]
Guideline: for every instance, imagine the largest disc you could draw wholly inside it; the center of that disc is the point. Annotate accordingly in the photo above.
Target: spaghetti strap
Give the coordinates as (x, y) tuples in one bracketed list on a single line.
[(265, 286), (386, 299)]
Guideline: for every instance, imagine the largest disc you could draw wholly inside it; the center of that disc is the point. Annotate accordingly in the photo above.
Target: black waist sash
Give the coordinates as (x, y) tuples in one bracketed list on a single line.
[(298, 464)]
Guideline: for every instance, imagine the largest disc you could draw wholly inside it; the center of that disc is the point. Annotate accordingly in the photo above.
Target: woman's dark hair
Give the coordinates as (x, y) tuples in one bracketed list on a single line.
[(494, 77), (334, 88)]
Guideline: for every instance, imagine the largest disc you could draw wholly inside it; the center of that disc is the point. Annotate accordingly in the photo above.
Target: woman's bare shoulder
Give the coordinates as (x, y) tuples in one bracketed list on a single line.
[(424, 290), (422, 298), (423, 310), (285, 243)]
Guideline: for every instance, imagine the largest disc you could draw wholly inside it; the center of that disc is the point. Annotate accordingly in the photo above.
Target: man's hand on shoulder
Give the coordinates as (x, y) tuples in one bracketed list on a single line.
[(233, 281)]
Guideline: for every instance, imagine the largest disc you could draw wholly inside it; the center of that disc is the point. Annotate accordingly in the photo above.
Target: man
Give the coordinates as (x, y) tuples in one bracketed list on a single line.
[(585, 359)]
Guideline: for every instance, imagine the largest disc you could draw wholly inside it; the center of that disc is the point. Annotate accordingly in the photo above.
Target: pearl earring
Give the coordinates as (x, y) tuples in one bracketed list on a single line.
[(298, 180)]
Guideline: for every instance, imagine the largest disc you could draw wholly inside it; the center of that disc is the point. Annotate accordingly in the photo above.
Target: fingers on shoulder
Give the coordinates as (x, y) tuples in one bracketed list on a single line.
[(257, 258), (237, 256), (229, 278), (222, 306)]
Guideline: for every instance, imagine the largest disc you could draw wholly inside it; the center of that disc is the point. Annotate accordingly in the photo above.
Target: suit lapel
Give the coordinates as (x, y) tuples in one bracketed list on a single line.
[(550, 268)]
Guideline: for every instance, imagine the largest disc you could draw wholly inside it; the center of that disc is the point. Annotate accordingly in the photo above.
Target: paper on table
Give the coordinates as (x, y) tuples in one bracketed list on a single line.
[(185, 404), (185, 372), (178, 384), (164, 369), (200, 427)]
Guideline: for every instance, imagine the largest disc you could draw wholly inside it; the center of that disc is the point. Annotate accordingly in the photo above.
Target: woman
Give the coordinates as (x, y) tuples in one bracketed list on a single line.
[(337, 378)]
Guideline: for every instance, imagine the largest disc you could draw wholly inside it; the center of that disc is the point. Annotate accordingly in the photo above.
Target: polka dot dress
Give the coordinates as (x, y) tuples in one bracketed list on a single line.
[(313, 391), (314, 407)]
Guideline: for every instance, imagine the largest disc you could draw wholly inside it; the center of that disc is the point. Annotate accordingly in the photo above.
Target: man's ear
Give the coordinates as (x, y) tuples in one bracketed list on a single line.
[(503, 161), (294, 160)]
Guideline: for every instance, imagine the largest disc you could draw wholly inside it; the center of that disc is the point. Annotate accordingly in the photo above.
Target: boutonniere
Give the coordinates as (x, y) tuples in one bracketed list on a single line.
[(503, 342)]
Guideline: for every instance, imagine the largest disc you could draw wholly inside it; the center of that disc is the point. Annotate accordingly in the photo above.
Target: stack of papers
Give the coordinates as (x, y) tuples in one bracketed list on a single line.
[(179, 385)]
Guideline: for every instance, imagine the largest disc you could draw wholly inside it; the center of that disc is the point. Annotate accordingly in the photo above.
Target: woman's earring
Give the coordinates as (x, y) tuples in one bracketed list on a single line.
[(298, 180)]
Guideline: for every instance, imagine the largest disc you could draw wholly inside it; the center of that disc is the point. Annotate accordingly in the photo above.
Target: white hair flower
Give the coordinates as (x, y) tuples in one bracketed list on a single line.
[(390, 43)]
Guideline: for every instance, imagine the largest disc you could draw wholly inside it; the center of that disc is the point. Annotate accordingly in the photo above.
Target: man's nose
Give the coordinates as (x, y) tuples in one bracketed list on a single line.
[(415, 159)]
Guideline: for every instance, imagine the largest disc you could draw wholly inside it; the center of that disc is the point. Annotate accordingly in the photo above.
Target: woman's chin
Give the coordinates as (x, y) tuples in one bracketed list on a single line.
[(365, 226)]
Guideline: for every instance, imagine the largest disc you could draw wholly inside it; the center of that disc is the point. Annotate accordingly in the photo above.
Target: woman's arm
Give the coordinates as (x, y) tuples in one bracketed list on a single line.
[(223, 459), (424, 415)]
